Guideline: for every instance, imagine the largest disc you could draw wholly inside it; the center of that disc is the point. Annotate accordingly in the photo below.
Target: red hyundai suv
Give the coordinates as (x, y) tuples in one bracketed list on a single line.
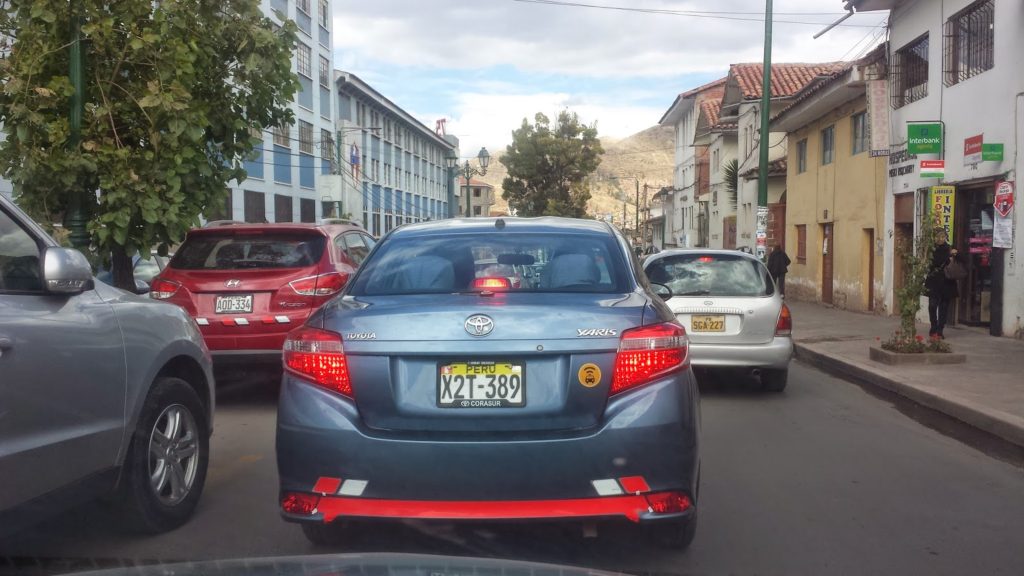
[(247, 285)]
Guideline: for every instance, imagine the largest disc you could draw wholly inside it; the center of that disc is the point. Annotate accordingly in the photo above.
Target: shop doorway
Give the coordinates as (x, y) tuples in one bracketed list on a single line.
[(868, 268), (973, 239), (729, 227)]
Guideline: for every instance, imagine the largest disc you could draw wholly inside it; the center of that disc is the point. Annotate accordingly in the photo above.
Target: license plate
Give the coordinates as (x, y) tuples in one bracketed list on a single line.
[(481, 385), (233, 304), (707, 323)]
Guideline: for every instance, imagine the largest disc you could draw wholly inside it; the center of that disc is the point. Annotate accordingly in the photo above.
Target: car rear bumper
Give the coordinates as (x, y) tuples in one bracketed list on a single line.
[(651, 432), (775, 354)]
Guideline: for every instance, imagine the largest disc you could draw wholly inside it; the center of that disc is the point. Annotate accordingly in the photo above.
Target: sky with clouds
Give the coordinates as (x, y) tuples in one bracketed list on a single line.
[(487, 64)]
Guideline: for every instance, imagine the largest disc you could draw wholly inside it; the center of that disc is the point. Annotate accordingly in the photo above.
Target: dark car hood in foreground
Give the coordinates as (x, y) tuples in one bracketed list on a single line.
[(352, 565)]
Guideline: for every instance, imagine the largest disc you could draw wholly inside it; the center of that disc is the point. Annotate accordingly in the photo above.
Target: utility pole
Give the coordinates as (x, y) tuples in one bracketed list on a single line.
[(75, 217), (766, 103), (636, 229)]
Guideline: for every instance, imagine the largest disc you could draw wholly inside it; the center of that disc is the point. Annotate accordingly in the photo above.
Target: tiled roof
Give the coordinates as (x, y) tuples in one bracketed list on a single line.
[(474, 182), (710, 109), (786, 79), (720, 83), (775, 168)]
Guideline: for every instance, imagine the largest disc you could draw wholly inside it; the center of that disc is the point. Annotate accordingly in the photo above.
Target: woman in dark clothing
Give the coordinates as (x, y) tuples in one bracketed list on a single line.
[(941, 290), (778, 265)]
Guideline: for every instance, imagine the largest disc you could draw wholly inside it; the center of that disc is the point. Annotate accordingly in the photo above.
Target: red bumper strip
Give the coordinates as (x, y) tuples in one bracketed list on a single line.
[(628, 506)]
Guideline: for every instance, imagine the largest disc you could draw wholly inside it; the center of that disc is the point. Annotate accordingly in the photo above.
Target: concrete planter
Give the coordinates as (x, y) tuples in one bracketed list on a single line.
[(899, 358)]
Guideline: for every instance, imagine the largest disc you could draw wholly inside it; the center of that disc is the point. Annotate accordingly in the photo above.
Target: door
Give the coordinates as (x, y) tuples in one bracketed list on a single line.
[(62, 376), (903, 236), (973, 238), (826, 263), (729, 228), (868, 252)]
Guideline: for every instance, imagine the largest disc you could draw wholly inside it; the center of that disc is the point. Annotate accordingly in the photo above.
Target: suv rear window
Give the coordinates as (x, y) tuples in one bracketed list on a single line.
[(237, 251), (710, 275), (530, 262)]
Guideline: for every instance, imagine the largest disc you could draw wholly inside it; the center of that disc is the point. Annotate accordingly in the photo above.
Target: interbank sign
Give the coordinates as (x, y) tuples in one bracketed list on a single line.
[(924, 138)]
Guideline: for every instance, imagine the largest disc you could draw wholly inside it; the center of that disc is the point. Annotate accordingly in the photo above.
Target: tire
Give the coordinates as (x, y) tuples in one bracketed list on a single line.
[(774, 380), (674, 535), (327, 535), (154, 495)]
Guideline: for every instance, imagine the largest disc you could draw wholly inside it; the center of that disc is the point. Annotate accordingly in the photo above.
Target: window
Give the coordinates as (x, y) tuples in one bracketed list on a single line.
[(304, 60), (307, 210), (353, 245), (302, 5), (325, 72), (801, 243), (476, 192), (718, 275), (229, 251), (969, 42), (909, 73), (477, 211), (324, 13), (327, 145), (281, 136), (801, 156), (859, 129), (282, 208), (305, 137), (828, 145), (714, 161), (19, 258), (255, 207)]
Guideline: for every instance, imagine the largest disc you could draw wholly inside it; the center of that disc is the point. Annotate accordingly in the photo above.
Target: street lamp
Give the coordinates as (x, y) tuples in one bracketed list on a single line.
[(452, 163), (467, 172)]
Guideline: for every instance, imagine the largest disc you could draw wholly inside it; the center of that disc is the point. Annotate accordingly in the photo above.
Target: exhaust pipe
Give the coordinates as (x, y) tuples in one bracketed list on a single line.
[(756, 372)]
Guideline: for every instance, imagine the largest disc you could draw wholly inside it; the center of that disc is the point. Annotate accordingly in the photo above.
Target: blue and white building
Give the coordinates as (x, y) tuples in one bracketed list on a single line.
[(284, 177), (391, 167)]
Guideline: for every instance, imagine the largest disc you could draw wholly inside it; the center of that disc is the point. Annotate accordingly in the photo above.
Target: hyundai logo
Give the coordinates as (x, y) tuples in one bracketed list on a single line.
[(479, 325), (233, 283)]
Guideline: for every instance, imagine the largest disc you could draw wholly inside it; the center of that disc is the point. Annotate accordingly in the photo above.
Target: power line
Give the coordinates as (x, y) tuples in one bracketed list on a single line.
[(736, 16)]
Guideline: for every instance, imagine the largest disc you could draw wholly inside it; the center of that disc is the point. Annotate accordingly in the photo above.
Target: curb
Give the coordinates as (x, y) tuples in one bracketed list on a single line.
[(1011, 432)]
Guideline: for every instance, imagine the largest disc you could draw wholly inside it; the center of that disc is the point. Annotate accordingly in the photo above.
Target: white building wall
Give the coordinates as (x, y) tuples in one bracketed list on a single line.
[(726, 148), (991, 103), (748, 130)]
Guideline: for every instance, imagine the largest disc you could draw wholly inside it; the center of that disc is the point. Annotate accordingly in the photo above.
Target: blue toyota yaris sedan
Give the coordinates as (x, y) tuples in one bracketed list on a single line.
[(492, 369)]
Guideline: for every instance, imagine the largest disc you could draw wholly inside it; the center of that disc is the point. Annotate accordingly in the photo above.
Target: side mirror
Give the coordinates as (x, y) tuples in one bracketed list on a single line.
[(141, 287), (65, 271), (661, 291)]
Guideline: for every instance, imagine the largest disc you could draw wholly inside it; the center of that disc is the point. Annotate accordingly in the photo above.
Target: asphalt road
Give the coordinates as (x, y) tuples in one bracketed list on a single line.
[(823, 479)]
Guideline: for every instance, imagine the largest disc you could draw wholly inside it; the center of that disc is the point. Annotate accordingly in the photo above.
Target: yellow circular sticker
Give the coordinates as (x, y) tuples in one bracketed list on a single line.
[(589, 375)]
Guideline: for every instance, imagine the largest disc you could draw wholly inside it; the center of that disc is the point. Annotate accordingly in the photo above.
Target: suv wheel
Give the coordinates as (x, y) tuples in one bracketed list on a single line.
[(774, 380), (165, 468)]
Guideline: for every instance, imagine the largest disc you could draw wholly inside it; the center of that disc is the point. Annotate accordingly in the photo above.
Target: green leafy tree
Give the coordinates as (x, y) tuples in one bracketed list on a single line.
[(731, 175), (173, 93), (548, 164)]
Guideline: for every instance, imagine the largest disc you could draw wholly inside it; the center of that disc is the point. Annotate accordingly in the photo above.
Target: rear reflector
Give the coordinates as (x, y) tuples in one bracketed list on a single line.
[(492, 283), (322, 285), (606, 487), (648, 352), (784, 327), (634, 484), (318, 355), (160, 289), (326, 485), (668, 502), (299, 503)]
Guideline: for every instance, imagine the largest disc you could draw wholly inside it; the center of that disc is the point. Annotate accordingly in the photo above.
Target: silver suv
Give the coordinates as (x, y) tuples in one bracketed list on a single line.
[(101, 391)]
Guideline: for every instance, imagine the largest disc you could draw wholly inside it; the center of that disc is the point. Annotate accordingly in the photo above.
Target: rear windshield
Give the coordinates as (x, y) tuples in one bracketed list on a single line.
[(237, 251), (710, 275), (461, 263)]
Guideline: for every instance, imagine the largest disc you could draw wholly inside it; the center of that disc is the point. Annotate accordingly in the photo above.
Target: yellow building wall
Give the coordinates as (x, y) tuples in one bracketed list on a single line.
[(849, 193)]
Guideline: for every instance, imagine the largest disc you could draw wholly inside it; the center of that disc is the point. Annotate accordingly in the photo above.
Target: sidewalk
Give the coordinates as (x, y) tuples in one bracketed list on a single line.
[(986, 392)]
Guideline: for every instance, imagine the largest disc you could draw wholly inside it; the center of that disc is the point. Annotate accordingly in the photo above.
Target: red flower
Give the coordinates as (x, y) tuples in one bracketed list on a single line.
[(920, 338)]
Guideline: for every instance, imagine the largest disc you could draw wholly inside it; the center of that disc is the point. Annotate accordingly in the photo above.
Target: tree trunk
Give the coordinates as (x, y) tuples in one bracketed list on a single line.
[(121, 269)]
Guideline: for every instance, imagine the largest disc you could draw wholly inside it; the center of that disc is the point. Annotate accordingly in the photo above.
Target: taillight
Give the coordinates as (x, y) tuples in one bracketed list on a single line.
[(784, 327), (668, 502), (318, 355), (161, 289), (299, 503), (322, 285), (648, 352), (492, 283)]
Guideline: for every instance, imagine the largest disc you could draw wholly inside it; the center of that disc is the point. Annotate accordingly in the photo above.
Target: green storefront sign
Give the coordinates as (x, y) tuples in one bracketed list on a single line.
[(924, 138), (991, 152)]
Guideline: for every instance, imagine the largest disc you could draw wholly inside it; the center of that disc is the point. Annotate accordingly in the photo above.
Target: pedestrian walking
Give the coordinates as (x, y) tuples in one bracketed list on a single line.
[(941, 283), (778, 266)]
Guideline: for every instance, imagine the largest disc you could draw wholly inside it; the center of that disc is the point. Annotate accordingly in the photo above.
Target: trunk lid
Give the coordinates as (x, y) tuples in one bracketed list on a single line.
[(400, 347)]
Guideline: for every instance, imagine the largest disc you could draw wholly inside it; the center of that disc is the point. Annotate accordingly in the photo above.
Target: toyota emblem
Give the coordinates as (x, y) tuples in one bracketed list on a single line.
[(233, 283), (479, 325)]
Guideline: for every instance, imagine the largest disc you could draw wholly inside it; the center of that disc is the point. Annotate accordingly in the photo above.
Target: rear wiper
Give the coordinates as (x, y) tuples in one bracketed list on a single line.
[(695, 293)]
